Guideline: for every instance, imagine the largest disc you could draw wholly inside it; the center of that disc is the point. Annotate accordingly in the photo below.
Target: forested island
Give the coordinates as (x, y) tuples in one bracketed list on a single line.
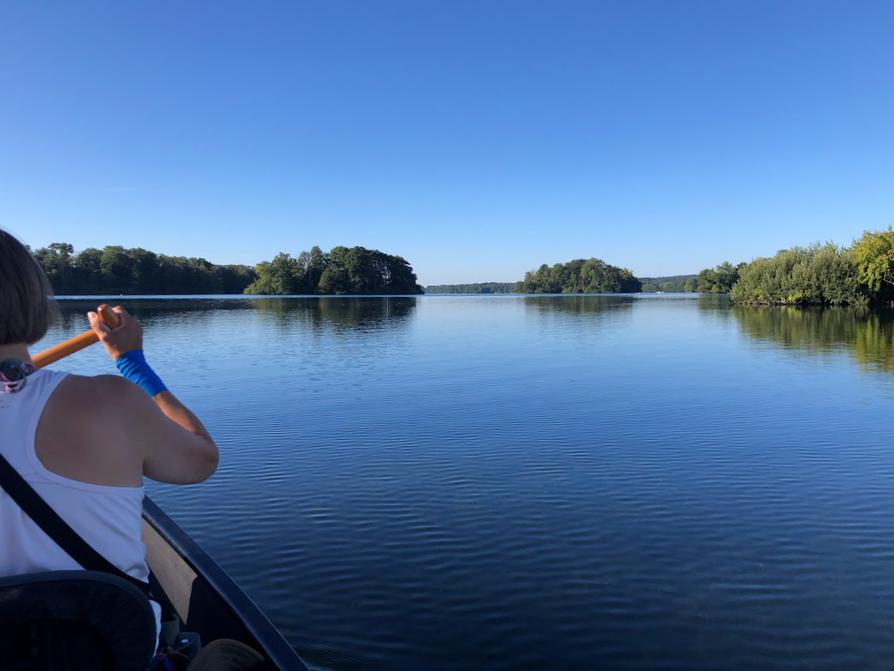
[(579, 276), (343, 270), (596, 276), (118, 270)]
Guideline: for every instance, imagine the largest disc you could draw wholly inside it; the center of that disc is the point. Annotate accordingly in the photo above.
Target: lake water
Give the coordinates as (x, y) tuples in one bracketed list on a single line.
[(650, 482)]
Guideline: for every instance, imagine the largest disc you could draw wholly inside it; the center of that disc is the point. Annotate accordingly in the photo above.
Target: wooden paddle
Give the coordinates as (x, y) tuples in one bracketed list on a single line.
[(77, 343)]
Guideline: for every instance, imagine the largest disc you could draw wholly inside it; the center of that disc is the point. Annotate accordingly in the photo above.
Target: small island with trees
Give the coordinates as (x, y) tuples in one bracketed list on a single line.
[(581, 276), (341, 271)]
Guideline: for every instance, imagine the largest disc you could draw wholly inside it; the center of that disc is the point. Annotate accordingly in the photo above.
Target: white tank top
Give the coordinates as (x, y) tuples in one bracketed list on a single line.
[(108, 518)]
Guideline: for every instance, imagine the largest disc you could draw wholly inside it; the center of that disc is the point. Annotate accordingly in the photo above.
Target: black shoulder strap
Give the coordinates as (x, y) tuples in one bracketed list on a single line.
[(57, 528)]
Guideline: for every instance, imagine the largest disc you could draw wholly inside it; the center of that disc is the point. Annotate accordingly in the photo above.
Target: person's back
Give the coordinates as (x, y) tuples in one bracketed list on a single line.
[(84, 443), (106, 515)]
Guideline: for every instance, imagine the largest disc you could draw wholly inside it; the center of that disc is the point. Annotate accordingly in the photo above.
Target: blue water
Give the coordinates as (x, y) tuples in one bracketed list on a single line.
[(650, 482)]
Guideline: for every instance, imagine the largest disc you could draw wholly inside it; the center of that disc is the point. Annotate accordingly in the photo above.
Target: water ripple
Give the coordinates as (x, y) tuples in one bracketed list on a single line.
[(562, 483)]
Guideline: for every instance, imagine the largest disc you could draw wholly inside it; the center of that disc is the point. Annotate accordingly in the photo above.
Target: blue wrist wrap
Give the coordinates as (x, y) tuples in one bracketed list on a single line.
[(133, 367)]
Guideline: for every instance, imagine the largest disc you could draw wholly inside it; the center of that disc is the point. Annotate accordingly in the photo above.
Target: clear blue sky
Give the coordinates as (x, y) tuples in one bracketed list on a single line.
[(478, 139)]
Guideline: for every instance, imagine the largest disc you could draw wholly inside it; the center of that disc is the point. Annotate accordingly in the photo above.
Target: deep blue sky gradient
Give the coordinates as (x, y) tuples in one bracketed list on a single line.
[(478, 139)]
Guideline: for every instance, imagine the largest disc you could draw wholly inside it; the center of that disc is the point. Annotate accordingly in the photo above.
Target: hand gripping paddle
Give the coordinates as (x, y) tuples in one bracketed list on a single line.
[(77, 343)]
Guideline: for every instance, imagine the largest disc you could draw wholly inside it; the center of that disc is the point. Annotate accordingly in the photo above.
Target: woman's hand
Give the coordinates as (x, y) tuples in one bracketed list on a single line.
[(127, 336)]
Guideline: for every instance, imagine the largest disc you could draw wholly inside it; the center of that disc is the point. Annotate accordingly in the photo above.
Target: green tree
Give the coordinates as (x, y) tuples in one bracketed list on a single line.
[(314, 264), (336, 279), (814, 275), (233, 279), (144, 270), (717, 280), (58, 264), (280, 276), (88, 272), (873, 255), (399, 276), (115, 268)]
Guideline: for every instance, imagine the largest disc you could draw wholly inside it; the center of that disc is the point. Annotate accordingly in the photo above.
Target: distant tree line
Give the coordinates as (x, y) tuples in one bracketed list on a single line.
[(671, 283), (820, 274), (118, 270), (478, 288), (579, 276)]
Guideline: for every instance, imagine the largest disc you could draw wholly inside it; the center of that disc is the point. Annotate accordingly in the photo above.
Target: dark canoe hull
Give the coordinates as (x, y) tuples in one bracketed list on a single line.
[(205, 597)]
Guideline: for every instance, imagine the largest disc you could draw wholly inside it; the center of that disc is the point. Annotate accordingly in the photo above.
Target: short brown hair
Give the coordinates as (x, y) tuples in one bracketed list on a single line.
[(26, 301)]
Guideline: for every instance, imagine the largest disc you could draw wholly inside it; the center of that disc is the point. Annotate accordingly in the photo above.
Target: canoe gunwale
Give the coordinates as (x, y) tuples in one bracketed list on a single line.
[(279, 653)]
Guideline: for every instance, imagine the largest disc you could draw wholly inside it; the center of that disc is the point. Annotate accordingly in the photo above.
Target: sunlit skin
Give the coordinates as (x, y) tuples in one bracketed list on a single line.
[(105, 430)]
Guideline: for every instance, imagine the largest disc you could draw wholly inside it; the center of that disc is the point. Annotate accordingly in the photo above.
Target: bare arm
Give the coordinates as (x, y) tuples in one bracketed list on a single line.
[(180, 459), (176, 447), (178, 413)]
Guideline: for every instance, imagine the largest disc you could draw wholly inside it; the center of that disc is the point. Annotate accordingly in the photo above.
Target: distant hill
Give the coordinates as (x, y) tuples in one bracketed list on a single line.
[(670, 283), (479, 288)]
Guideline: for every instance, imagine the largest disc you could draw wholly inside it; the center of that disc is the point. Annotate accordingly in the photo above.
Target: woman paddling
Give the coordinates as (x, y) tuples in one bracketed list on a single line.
[(84, 443)]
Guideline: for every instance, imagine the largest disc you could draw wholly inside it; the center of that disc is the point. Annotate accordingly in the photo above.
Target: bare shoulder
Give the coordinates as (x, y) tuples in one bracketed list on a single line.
[(108, 398), (106, 430), (85, 432), (112, 388)]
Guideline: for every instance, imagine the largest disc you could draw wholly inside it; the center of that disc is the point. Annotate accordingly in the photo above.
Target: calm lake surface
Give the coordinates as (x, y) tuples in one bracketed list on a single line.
[(651, 482)]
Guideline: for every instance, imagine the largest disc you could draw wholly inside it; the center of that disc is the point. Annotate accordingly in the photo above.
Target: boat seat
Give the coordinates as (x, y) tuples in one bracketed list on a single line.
[(74, 621)]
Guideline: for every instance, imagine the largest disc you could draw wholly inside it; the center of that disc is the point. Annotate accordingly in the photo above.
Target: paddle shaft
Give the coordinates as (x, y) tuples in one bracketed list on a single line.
[(77, 343)]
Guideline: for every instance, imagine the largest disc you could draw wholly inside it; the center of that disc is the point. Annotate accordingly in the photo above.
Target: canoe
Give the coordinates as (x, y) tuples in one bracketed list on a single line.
[(207, 600)]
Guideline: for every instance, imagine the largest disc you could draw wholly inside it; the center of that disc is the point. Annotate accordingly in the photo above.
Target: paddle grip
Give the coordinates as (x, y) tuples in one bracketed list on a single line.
[(79, 342)]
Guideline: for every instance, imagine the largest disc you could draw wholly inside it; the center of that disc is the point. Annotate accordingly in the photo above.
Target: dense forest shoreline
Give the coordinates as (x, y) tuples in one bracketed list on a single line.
[(820, 274), (117, 270)]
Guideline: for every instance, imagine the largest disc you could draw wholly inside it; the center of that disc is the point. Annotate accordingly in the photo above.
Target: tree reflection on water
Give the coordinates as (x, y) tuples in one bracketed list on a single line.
[(868, 335)]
